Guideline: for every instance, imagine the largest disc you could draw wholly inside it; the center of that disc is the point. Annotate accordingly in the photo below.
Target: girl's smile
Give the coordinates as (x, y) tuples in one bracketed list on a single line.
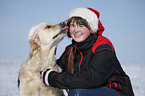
[(77, 34)]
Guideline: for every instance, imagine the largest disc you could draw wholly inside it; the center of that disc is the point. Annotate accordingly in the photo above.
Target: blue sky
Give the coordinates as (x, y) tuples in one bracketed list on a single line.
[(124, 22)]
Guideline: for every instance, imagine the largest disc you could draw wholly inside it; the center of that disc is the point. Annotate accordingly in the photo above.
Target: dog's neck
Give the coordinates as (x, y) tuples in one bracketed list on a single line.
[(47, 56), (43, 55)]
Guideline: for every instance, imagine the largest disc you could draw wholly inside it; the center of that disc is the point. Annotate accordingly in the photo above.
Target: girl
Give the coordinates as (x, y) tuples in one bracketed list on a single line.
[(90, 66)]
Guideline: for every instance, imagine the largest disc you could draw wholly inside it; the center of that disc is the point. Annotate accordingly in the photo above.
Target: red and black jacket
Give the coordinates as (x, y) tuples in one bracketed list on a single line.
[(96, 65)]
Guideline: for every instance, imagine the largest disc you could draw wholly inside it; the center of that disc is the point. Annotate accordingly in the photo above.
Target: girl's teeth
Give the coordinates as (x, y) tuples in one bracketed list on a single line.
[(77, 34)]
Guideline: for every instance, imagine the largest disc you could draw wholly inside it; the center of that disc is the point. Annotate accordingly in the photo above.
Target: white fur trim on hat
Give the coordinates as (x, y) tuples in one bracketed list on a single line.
[(86, 14)]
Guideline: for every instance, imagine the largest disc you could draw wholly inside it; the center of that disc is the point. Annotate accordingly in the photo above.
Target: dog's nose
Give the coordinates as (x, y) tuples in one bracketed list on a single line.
[(63, 24)]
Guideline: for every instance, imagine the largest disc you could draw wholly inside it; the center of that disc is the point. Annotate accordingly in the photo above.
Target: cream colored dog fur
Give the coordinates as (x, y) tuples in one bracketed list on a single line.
[(43, 40)]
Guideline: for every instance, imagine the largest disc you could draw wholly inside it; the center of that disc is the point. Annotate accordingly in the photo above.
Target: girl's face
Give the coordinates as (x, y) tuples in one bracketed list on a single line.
[(79, 32)]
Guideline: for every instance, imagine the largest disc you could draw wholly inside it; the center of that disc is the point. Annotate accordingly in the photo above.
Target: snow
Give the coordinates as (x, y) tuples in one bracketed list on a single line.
[(136, 71), (9, 74), (8, 79)]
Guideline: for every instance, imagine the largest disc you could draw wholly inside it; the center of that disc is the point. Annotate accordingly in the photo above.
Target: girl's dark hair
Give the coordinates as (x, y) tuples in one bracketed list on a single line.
[(79, 21)]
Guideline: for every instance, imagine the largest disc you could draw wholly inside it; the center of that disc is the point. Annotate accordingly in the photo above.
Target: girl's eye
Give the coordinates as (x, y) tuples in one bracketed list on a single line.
[(82, 25), (47, 27)]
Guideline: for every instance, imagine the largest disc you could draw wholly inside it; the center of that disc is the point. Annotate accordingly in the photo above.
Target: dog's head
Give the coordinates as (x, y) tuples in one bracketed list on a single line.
[(44, 35)]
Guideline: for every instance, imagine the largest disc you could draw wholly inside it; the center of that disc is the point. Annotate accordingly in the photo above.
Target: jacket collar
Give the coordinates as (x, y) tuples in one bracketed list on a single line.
[(85, 45)]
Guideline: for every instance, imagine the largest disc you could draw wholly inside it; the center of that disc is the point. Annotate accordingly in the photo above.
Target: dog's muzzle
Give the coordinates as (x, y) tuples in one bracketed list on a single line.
[(64, 29)]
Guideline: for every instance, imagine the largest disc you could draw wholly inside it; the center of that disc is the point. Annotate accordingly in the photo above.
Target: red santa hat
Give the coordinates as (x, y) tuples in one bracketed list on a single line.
[(91, 16)]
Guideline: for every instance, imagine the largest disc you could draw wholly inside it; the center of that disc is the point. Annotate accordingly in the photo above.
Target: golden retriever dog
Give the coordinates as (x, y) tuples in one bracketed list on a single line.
[(43, 40)]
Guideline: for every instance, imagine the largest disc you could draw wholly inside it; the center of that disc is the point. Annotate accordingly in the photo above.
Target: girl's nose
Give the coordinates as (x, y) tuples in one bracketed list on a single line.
[(76, 29)]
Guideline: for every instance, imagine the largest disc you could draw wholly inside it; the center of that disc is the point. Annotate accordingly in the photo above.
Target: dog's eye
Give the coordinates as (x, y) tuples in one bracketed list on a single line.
[(47, 27)]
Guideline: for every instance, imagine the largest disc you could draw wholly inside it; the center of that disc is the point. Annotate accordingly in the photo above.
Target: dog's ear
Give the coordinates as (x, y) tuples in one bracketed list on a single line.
[(34, 45)]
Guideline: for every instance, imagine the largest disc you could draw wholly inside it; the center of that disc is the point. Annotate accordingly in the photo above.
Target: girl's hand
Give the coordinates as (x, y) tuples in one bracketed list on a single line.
[(44, 75)]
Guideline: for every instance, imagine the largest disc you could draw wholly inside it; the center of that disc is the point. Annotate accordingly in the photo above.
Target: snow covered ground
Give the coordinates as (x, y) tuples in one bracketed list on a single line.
[(9, 73)]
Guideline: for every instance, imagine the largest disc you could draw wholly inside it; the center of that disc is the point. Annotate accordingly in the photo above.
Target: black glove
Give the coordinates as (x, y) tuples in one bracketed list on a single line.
[(45, 75)]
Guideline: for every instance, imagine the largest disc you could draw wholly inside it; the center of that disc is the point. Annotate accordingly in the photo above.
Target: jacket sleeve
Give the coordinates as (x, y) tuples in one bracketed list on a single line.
[(95, 75)]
